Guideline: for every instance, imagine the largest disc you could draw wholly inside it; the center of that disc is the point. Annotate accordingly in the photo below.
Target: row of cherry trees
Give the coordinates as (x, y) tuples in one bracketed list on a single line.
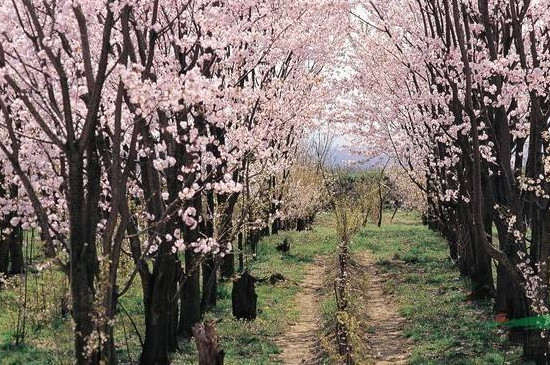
[(462, 99), (161, 129)]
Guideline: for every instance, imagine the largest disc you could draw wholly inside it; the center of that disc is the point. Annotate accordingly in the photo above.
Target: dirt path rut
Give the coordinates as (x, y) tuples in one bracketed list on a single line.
[(384, 337), (300, 341)]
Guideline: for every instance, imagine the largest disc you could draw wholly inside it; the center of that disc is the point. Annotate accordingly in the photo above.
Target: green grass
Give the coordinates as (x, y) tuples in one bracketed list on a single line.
[(446, 327), (48, 337)]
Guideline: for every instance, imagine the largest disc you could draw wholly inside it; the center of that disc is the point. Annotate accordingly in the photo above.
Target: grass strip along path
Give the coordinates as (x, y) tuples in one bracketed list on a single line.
[(442, 323)]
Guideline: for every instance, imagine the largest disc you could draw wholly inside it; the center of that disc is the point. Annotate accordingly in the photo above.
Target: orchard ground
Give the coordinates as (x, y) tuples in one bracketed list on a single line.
[(440, 323)]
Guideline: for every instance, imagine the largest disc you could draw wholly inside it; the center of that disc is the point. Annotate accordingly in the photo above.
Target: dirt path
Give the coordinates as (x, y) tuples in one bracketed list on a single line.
[(384, 337), (299, 342)]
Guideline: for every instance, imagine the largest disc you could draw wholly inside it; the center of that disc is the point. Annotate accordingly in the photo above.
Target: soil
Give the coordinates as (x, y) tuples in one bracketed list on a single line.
[(300, 342), (385, 339)]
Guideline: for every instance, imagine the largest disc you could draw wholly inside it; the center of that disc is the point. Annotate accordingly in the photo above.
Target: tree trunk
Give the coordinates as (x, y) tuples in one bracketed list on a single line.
[(107, 354), (380, 201), (16, 250), (227, 268), (482, 277), (83, 259), (83, 306), (253, 238), (209, 269), (300, 225), (208, 344), (275, 226), (394, 212), (4, 253), (209, 284), (264, 232), (241, 251), (159, 337), (535, 347), (190, 310), (510, 298)]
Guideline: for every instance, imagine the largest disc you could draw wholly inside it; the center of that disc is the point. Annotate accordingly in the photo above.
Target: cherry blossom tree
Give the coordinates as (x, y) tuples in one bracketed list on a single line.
[(55, 61), (462, 102)]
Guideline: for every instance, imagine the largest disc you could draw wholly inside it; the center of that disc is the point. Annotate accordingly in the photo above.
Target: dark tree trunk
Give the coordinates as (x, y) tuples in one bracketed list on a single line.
[(380, 201), (253, 239), (209, 269), (394, 212), (209, 284), (4, 254), (453, 249), (83, 306), (4, 242), (275, 226), (83, 217), (535, 347), (482, 277), (16, 250), (190, 312), (465, 241), (227, 268), (510, 298), (159, 336), (139, 261), (15, 240), (108, 352), (300, 225), (11, 244), (284, 246), (241, 251), (264, 232)]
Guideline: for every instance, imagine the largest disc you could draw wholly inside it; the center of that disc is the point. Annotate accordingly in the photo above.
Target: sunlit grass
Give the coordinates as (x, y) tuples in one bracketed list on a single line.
[(445, 325)]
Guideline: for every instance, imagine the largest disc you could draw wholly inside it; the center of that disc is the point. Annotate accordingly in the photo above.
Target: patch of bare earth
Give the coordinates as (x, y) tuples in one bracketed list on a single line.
[(300, 341), (385, 339)]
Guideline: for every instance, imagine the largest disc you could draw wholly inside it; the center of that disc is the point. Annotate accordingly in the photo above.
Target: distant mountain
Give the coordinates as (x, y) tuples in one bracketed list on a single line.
[(341, 156)]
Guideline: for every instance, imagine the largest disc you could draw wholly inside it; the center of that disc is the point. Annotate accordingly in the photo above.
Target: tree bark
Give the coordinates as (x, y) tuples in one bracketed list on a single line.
[(190, 310), (209, 284), (159, 337), (227, 268), (241, 251), (208, 344), (4, 252), (16, 250), (83, 258)]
